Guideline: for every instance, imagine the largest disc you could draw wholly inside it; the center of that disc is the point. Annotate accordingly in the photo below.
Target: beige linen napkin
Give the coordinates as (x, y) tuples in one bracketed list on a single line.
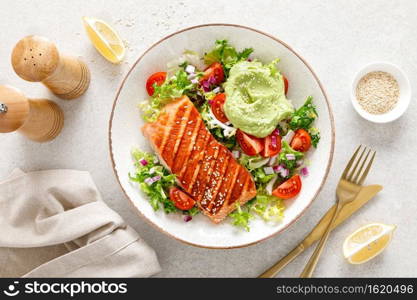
[(54, 224)]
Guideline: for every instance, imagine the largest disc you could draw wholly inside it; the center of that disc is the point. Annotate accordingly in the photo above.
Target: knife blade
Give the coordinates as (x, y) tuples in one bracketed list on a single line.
[(366, 194)]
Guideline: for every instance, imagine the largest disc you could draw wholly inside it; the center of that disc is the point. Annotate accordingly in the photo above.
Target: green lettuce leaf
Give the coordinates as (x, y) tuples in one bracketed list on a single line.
[(241, 217), (315, 136), (290, 164), (172, 88), (304, 118), (157, 191), (269, 208), (226, 54)]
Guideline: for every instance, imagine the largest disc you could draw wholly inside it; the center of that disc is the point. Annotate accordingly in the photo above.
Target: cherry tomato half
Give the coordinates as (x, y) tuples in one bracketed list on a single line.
[(215, 70), (158, 78), (301, 141), (272, 144), (217, 107), (250, 145), (181, 200), (289, 188)]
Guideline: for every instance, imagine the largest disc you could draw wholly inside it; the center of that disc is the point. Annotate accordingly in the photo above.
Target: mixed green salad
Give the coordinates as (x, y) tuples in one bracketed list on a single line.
[(243, 104)]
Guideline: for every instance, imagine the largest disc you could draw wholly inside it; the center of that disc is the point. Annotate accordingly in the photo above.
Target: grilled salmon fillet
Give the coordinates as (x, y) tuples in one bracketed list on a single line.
[(204, 168)]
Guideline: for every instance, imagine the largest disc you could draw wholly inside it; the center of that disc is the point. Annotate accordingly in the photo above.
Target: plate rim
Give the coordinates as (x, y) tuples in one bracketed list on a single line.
[(329, 162)]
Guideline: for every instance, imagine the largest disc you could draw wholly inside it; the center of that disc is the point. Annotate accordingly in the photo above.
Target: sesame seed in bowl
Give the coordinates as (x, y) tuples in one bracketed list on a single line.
[(377, 92), (380, 92)]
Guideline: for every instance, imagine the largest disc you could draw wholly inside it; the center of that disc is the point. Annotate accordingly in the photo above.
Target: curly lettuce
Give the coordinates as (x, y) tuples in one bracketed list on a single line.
[(255, 165), (315, 136), (304, 117), (226, 54), (172, 88), (241, 216), (155, 180), (268, 207), (148, 167)]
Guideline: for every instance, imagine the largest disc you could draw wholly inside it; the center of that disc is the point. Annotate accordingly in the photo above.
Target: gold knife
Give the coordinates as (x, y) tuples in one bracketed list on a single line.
[(366, 193)]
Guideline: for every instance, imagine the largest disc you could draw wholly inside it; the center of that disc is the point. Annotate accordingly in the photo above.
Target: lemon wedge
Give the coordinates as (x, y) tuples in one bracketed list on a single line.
[(105, 39), (367, 242)]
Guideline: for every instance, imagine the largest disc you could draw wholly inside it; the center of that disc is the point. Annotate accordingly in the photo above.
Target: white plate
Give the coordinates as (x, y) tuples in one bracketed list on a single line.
[(125, 123)]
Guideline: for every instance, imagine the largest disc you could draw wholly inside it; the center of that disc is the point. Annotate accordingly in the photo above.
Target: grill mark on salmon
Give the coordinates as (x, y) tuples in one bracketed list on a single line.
[(177, 130), (226, 188), (188, 142), (188, 174), (218, 215), (240, 181), (251, 184), (204, 168), (169, 114), (216, 178)]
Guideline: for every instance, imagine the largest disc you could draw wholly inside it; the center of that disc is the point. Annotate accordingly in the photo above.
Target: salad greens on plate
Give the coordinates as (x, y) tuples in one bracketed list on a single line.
[(243, 104)]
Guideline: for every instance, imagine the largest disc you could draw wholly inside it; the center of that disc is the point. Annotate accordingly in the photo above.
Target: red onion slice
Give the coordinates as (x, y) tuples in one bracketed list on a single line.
[(212, 80), (278, 168), (274, 141), (187, 218), (290, 156), (151, 180), (304, 171), (284, 172)]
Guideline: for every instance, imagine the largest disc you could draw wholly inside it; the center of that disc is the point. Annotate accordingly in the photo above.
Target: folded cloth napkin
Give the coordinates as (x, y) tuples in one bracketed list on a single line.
[(54, 224)]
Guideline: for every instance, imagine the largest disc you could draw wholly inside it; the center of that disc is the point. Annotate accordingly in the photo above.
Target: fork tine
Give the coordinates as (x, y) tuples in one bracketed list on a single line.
[(346, 171), (365, 173), (354, 177), (352, 173)]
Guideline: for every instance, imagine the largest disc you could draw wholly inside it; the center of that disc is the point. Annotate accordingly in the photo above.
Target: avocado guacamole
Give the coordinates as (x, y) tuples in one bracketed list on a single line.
[(255, 98)]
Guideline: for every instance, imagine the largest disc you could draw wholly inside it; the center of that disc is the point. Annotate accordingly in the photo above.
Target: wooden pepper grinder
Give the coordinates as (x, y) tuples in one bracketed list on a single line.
[(35, 59), (40, 120)]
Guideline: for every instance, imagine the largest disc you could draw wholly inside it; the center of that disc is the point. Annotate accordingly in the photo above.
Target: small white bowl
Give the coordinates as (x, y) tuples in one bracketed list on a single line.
[(403, 101)]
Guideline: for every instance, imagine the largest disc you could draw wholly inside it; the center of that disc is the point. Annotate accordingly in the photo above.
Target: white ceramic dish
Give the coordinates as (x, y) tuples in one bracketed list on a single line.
[(125, 123), (403, 101)]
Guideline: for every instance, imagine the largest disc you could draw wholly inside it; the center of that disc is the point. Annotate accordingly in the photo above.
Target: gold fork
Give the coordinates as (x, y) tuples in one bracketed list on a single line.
[(346, 191)]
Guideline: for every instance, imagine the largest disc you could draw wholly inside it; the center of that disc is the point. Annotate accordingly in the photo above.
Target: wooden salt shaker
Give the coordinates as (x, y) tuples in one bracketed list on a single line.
[(35, 59), (40, 120)]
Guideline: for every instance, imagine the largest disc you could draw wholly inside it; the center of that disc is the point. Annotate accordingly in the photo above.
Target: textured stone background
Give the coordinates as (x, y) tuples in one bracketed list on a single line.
[(335, 37)]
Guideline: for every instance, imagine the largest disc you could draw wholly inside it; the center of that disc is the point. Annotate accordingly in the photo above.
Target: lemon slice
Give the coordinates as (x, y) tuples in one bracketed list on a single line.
[(105, 39), (367, 242)]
